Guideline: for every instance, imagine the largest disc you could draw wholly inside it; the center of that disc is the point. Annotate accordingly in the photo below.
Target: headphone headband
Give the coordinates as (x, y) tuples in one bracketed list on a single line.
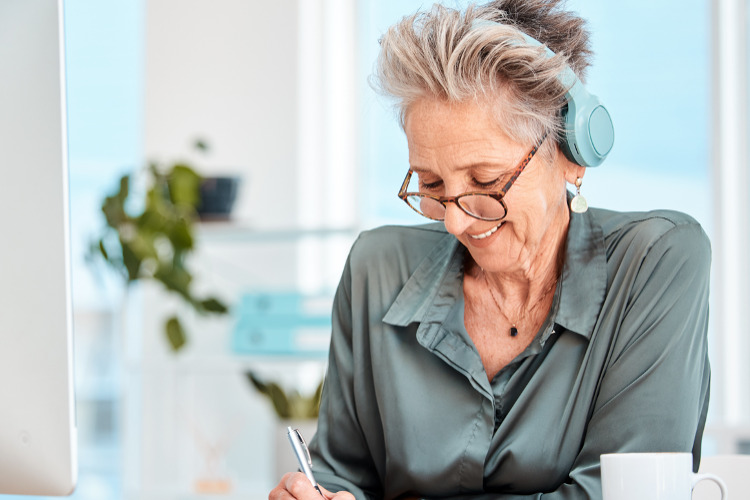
[(589, 133)]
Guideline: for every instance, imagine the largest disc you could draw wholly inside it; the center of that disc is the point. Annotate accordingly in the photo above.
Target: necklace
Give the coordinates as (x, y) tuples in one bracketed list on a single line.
[(513, 328)]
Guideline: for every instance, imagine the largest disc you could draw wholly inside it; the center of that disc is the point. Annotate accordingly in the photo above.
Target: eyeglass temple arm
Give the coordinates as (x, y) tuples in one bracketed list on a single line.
[(405, 184), (522, 166)]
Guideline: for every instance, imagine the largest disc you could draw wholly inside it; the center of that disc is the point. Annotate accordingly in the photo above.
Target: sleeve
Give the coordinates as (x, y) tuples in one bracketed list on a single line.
[(341, 458), (654, 391)]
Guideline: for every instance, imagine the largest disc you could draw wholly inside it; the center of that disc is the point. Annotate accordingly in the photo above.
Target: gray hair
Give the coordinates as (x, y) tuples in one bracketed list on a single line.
[(459, 56)]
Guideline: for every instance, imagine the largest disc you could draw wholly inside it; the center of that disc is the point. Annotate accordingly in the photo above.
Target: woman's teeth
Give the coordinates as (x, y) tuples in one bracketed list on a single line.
[(488, 233)]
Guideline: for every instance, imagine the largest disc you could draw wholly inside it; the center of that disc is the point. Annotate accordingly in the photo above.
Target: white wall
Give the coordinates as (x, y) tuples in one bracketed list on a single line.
[(226, 71)]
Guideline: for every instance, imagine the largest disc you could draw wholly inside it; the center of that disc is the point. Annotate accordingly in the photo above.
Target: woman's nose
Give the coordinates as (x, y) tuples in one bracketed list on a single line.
[(456, 220)]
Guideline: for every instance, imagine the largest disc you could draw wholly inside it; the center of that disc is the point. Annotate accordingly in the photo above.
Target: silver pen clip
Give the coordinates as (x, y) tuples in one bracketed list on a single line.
[(304, 447)]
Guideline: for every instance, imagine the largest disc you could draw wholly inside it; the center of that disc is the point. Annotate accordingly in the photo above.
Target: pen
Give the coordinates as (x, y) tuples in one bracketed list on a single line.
[(303, 455)]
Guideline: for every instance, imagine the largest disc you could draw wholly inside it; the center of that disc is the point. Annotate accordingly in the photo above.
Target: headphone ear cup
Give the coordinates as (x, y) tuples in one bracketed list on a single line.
[(589, 132)]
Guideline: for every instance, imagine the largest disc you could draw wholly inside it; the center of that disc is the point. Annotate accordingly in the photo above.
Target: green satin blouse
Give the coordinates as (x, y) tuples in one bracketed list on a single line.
[(620, 365)]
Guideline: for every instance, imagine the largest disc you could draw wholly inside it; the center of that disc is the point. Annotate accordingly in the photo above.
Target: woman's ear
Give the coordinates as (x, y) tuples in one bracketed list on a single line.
[(572, 171)]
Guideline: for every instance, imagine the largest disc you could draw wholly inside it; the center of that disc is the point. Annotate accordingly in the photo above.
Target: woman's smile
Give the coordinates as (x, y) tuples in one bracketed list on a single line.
[(486, 234)]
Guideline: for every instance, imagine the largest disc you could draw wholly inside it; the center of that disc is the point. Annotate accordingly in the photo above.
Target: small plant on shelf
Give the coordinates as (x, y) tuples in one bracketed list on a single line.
[(288, 404), (149, 237)]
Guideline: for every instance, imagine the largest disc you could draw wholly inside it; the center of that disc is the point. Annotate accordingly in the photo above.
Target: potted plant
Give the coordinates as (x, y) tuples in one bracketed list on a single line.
[(293, 409), (291, 404), (150, 236)]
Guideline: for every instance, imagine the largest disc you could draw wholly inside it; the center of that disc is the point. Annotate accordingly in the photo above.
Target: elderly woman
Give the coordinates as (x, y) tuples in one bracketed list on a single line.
[(499, 352)]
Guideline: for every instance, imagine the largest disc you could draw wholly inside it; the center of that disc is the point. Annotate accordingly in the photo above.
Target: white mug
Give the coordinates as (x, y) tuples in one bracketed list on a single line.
[(652, 476)]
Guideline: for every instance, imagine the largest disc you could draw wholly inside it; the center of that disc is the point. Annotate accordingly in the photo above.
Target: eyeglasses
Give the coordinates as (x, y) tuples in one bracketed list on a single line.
[(483, 206)]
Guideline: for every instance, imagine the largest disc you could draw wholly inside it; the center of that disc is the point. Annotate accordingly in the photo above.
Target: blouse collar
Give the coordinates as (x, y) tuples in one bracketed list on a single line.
[(429, 293)]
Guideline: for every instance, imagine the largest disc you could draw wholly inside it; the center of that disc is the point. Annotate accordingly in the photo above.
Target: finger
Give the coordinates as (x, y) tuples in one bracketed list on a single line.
[(341, 495), (280, 492), (327, 494), (299, 487)]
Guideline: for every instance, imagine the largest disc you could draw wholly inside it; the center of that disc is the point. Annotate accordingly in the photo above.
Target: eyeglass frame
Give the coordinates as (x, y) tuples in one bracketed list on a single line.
[(498, 196)]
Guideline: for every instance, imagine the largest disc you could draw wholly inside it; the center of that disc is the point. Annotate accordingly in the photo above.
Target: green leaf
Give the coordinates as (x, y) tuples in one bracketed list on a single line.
[(155, 219), (175, 334), (131, 261), (308, 406), (103, 250), (257, 383), (142, 244), (113, 207), (274, 393), (184, 185), (180, 233), (279, 400), (316, 396), (213, 305), (175, 279), (291, 404)]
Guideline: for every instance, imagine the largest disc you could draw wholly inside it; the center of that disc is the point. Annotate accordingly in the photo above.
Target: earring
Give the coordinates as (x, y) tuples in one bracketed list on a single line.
[(578, 204)]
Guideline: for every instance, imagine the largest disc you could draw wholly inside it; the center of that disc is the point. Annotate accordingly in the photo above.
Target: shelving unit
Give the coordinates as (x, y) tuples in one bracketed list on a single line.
[(194, 416)]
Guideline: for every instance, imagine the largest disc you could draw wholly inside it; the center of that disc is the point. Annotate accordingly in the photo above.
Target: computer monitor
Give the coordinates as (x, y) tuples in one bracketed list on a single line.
[(37, 414)]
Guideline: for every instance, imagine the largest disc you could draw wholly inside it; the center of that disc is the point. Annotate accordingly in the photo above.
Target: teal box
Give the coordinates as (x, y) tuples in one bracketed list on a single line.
[(284, 324)]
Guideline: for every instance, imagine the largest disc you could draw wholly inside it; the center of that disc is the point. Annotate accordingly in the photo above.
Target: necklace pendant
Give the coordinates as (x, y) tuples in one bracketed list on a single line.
[(513, 331)]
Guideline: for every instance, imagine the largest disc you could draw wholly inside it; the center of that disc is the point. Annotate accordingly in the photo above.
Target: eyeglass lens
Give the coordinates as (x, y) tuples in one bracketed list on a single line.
[(480, 206), (477, 205)]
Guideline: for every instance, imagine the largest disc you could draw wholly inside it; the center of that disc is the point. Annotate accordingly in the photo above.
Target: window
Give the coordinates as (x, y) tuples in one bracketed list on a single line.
[(656, 68), (104, 74)]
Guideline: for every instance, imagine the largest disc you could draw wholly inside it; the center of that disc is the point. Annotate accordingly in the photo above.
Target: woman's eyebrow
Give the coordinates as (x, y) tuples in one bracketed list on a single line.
[(469, 166)]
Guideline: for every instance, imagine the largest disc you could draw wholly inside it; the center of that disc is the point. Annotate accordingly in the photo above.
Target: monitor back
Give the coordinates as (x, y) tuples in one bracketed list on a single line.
[(37, 414)]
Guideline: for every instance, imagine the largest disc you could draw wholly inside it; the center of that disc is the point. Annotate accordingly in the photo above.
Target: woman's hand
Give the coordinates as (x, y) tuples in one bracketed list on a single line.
[(295, 485)]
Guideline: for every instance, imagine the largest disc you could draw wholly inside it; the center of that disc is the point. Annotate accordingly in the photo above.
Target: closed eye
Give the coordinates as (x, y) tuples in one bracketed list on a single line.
[(428, 186), (486, 185)]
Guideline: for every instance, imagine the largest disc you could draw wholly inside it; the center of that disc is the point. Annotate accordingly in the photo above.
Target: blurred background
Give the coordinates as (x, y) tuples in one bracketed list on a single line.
[(278, 93)]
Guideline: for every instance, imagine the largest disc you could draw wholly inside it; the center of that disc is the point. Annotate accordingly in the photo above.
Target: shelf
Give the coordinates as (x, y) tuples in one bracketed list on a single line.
[(244, 232), (224, 363)]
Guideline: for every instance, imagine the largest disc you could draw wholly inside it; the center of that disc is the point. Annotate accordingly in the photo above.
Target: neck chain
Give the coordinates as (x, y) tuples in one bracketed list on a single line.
[(513, 328)]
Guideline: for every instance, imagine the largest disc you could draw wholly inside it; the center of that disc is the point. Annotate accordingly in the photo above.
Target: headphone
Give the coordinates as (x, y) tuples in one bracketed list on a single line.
[(588, 134)]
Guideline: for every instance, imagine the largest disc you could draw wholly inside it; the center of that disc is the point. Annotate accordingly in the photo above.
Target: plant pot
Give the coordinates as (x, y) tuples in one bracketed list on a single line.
[(285, 459), (217, 197)]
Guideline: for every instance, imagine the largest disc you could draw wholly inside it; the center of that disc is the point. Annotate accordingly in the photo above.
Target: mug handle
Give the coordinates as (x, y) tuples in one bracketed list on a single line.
[(716, 479)]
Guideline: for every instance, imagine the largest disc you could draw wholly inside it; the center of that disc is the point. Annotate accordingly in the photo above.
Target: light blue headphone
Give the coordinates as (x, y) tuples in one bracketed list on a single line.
[(588, 132)]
